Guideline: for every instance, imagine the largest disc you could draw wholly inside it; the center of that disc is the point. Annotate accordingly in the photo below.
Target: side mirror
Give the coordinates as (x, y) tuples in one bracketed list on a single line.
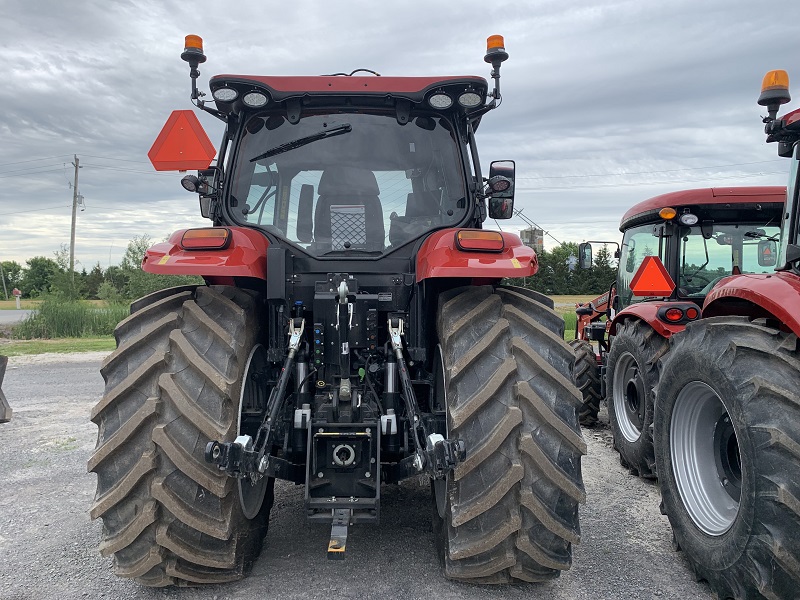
[(208, 182), (585, 255), (501, 189), (767, 253)]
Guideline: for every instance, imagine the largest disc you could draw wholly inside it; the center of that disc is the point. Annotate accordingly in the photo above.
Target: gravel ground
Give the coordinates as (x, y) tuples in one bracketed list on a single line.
[(48, 545)]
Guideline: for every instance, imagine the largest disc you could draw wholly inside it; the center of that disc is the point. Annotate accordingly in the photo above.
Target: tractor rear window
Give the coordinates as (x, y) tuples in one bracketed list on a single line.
[(741, 247), (358, 183)]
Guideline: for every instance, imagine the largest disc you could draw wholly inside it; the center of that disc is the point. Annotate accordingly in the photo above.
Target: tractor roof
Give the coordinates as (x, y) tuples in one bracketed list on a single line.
[(648, 209), (411, 88)]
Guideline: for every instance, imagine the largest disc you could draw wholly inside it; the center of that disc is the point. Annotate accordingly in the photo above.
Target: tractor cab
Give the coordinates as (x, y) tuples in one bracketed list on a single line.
[(700, 236), (346, 165)]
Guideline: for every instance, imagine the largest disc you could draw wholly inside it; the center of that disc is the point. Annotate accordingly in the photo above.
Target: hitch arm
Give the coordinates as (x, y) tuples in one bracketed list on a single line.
[(245, 456), (433, 452)]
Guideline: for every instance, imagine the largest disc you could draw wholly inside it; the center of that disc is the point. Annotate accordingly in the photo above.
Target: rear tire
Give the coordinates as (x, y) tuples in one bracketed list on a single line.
[(510, 511), (727, 433), (173, 384), (631, 374), (587, 380)]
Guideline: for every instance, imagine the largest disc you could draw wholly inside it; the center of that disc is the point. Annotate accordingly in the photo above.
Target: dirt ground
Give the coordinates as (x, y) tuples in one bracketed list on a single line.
[(48, 545)]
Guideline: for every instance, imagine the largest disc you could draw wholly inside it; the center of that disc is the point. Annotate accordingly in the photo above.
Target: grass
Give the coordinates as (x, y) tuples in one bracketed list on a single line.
[(565, 306), (60, 346), (56, 318), (23, 304)]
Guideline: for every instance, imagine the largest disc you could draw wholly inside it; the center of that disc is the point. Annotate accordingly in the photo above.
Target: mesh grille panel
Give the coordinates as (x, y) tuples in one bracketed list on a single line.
[(348, 224)]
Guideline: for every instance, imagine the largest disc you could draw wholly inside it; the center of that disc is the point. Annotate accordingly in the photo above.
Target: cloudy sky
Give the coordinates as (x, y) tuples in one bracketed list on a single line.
[(606, 102)]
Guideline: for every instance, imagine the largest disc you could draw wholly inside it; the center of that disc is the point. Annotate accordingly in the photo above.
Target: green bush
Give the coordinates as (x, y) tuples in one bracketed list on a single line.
[(58, 317)]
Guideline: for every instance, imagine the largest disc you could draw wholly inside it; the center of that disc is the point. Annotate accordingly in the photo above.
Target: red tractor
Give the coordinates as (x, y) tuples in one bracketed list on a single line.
[(727, 414), (353, 331), (699, 237)]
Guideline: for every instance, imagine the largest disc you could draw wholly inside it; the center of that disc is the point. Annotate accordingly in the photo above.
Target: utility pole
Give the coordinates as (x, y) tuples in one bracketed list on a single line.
[(74, 216), (3, 277)]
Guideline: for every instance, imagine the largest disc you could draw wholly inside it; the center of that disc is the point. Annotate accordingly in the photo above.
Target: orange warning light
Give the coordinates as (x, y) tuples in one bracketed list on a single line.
[(194, 41), (182, 145), (652, 279), (495, 41)]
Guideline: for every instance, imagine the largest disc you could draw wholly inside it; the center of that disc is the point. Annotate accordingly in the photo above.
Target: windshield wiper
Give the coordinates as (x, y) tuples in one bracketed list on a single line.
[(338, 130), (758, 235)]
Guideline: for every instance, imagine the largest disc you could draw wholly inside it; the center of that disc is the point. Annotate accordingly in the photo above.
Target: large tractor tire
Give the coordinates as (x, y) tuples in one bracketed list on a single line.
[(631, 375), (5, 409), (509, 511), (587, 380), (727, 433), (174, 383)]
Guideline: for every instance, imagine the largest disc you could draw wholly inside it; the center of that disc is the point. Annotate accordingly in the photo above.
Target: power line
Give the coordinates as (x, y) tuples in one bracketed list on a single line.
[(19, 212), (59, 169), (760, 162), (29, 169), (19, 162), (643, 183), (531, 223), (110, 168), (143, 162)]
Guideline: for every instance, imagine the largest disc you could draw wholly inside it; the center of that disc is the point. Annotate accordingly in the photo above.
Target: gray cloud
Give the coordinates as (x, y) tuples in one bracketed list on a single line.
[(605, 103)]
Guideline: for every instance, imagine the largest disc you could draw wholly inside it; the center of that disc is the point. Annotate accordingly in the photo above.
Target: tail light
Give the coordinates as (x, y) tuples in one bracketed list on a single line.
[(207, 238), (677, 314), (480, 241)]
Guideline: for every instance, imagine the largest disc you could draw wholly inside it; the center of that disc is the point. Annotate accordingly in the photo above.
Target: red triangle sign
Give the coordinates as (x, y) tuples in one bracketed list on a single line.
[(182, 145), (652, 279)]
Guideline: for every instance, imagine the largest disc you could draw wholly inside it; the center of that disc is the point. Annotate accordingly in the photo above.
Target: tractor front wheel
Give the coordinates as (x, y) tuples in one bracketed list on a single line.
[(509, 511), (727, 434), (631, 374), (587, 380), (174, 383)]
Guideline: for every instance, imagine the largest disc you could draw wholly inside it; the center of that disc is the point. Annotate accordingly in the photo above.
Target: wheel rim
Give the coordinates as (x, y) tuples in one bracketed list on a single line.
[(629, 397), (252, 404), (705, 458)]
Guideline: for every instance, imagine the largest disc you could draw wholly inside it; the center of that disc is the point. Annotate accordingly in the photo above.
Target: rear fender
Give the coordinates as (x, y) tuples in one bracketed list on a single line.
[(773, 296), (647, 312), (245, 256), (439, 256)]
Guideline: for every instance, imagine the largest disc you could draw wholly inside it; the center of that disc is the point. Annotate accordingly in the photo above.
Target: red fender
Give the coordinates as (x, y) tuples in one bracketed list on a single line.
[(440, 257), (245, 256), (646, 311), (775, 295)]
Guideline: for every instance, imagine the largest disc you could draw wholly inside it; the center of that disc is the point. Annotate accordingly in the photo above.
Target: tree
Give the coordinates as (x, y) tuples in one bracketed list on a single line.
[(63, 282), (140, 283), (38, 276), (12, 274), (134, 254), (92, 281)]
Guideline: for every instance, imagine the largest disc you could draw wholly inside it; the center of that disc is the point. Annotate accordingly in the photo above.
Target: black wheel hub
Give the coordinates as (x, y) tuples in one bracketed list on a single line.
[(634, 396), (726, 456)]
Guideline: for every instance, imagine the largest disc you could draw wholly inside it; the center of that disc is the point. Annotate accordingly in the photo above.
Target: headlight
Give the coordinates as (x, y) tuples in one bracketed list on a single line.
[(440, 101), (469, 99), (255, 99), (225, 94)]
